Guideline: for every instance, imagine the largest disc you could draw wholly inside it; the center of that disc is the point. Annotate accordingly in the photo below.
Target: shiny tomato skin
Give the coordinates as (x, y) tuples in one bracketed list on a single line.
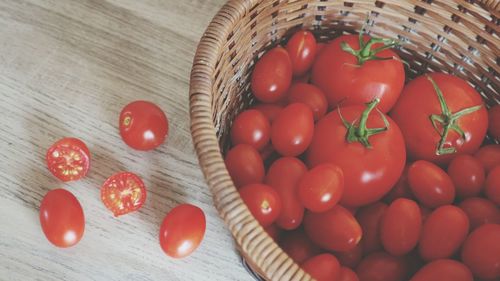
[(320, 188), (68, 159), (283, 176), (401, 189), (400, 227), (251, 127), (369, 218), (263, 202), (492, 188), (494, 122), (346, 274), (298, 246), (369, 173), (182, 230), (143, 125), (324, 267), (467, 174), (419, 101), (333, 230), (245, 165), (443, 270), (489, 155), (480, 211), (481, 252), (381, 266), (302, 51), (352, 257), (431, 185), (292, 130), (443, 233), (272, 75), (270, 110), (345, 82), (311, 96), (123, 193)]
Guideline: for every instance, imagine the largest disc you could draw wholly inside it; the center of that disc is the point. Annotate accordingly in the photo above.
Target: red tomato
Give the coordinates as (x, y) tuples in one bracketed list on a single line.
[(494, 122), (320, 47), (350, 258), (371, 157), (311, 96), (244, 164), (369, 218), (324, 267), (321, 188), (401, 189), (123, 193), (443, 270), (272, 75), (68, 159), (270, 110), (430, 184), (431, 112), (251, 127), (262, 201), (381, 266), (400, 227), (283, 176), (480, 211), (61, 218), (334, 230), (293, 140), (492, 189), (425, 213), (143, 125), (267, 152), (182, 230), (443, 233), (489, 155), (481, 252), (302, 50), (298, 246), (346, 274), (467, 173), (274, 231)]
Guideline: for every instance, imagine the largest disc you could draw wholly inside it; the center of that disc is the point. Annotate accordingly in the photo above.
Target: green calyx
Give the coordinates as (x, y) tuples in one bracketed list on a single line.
[(365, 51), (447, 120)]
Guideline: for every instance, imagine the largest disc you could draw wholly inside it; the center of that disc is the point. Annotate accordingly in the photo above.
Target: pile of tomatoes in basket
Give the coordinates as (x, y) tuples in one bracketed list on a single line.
[(359, 176)]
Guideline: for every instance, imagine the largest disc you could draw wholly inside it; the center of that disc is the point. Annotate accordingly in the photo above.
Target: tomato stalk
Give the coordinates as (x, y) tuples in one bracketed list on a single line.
[(365, 52)]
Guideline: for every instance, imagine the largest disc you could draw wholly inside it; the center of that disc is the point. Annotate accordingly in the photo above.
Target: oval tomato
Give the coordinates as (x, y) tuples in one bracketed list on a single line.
[(467, 174), (489, 155), (480, 211), (324, 267), (311, 96), (481, 252), (369, 218), (443, 270), (494, 122), (262, 201), (321, 187), (251, 127), (492, 188), (68, 159), (346, 274), (401, 189), (244, 164), (270, 110), (123, 193), (272, 75), (350, 258), (381, 266), (298, 246), (61, 218), (302, 50), (293, 140), (430, 184)]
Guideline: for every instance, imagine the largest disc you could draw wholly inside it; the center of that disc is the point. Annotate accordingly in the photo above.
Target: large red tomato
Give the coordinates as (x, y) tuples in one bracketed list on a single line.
[(443, 270), (481, 252), (272, 75), (440, 115)]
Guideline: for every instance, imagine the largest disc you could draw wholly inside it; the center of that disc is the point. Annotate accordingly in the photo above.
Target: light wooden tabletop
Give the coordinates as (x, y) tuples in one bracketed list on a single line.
[(67, 67)]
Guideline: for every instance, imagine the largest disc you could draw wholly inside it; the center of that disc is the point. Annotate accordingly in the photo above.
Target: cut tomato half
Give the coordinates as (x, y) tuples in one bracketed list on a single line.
[(123, 193), (68, 159)]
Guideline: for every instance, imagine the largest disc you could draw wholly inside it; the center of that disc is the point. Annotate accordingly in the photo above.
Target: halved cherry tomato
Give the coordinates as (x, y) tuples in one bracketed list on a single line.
[(369, 218), (443, 270), (298, 246), (321, 187), (311, 96), (251, 127), (302, 50), (494, 122), (430, 184), (263, 202), (401, 189), (492, 188), (480, 211), (381, 266), (272, 75), (324, 267), (270, 110), (489, 155), (182, 230), (123, 193), (346, 274), (350, 258), (481, 252), (244, 164), (68, 159), (467, 174), (292, 130)]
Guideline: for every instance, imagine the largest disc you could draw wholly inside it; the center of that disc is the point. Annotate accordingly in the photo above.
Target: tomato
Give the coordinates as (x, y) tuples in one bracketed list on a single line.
[(489, 155), (369, 218), (481, 252), (443, 270), (302, 51), (68, 159), (251, 127), (123, 193), (400, 227), (324, 267), (283, 176), (350, 258), (274, 231), (443, 233), (320, 47), (494, 122), (425, 213), (381, 266), (430, 184), (293, 140), (346, 274), (270, 110), (266, 152), (298, 246), (492, 189), (244, 164), (401, 189), (143, 125), (334, 230), (440, 115), (272, 75), (480, 211), (311, 96), (61, 218), (369, 150), (182, 230), (262, 201), (467, 174)]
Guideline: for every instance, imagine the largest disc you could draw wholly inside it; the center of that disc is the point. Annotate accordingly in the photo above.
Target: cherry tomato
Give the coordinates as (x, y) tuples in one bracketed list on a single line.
[(350, 258), (431, 116), (494, 122), (298, 246), (272, 75), (489, 155), (334, 230), (401, 189), (320, 47), (262, 201), (182, 230), (372, 161), (381, 266), (283, 176), (293, 140), (270, 110), (123, 193), (244, 164), (425, 213), (443, 270), (68, 159), (324, 267), (354, 77), (251, 127), (346, 274), (430, 184), (467, 174), (443, 233), (369, 218), (480, 211), (481, 252), (311, 96), (61, 218), (492, 189), (321, 188), (400, 227), (143, 125), (302, 50), (274, 231)]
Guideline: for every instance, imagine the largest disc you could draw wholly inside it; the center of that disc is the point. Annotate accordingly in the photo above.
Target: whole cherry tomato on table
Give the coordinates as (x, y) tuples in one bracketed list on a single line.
[(489, 155), (272, 75), (311, 96), (302, 51), (251, 127), (298, 246), (369, 218), (381, 266), (481, 252), (480, 211), (443, 270), (244, 164), (494, 122), (292, 130), (68, 159), (263, 202), (492, 188), (324, 267), (467, 174), (430, 184), (123, 193)]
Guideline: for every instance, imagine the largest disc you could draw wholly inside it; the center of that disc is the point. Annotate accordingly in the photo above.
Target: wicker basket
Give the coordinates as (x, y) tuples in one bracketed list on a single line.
[(459, 37)]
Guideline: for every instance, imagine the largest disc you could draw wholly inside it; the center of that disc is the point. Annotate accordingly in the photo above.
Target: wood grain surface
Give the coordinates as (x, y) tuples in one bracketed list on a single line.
[(66, 69)]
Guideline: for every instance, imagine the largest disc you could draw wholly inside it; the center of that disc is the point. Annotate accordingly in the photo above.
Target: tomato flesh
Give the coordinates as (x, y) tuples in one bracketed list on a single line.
[(68, 159), (123, 193)]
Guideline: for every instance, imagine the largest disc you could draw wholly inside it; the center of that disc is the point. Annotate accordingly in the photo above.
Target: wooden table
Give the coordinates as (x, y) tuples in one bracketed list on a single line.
[(67, 67)]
